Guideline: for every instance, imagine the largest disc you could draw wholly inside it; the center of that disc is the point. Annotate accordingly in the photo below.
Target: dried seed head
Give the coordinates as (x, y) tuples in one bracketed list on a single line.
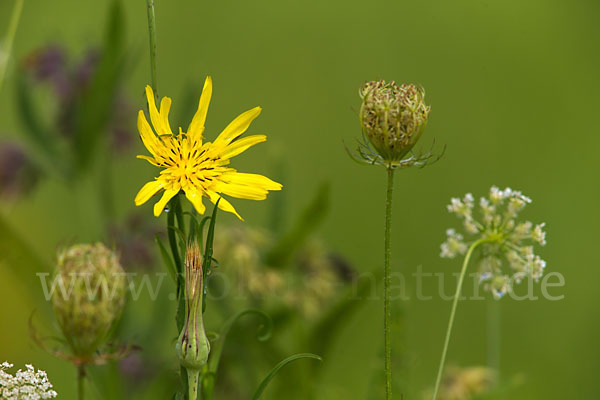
[(393, 117), (89, 295)]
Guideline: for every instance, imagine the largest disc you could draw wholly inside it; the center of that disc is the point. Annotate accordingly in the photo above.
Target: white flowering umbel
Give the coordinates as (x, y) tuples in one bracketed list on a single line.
[(507, 246), (24, 385)]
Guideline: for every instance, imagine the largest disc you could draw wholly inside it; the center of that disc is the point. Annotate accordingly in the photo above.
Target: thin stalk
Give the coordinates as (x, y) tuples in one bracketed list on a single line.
[(387, 312), (10, 37), (493, 334), (152, 32), (452, 314), (193, 380), (80, 381)]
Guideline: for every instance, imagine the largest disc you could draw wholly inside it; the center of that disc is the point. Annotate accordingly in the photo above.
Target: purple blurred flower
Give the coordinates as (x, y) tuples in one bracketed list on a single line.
[(18, 175), (69, 81), (134, 241)]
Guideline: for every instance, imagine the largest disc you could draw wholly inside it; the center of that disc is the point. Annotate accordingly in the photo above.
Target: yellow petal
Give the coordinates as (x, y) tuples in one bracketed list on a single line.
[(154, 115), (240, 191), (152, 143), (237, 127), (157, 118), (147, 191), (241, 145), (223, 204), (195, 197), (250, 180), (165, 106), (160, 205), (151, 160), (196, 127)]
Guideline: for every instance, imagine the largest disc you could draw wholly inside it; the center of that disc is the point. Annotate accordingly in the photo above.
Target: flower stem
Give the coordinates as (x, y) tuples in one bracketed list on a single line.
[(193, 380), (387, 312), (452, 314), (80, 381), (152, 32), (9, 39), (493, 334)]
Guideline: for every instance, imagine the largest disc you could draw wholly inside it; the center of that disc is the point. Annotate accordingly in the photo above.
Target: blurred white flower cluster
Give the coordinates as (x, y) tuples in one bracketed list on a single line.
[(507, 254), (24, 385)]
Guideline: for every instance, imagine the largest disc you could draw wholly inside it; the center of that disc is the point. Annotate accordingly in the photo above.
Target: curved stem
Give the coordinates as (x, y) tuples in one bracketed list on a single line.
[(452, 314), (152, 31), (80, 380), (387, 312), (10, 37)]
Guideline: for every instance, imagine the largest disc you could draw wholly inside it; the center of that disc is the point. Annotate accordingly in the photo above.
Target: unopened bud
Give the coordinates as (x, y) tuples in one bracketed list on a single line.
[(193, 346)]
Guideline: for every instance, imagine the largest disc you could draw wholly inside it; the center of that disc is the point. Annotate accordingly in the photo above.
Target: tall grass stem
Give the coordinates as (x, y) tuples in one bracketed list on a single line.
[(152, 36), (9, 39)]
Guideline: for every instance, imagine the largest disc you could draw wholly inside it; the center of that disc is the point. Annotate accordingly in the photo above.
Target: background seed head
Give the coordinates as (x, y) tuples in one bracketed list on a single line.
[(89, 296)]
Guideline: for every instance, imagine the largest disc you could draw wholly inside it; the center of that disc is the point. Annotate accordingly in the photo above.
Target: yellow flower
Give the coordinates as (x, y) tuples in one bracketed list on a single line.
[(198, 169)]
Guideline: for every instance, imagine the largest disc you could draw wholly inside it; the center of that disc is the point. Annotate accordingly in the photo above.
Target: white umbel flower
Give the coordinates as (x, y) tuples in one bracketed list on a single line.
[(507, 253), (24, 385)]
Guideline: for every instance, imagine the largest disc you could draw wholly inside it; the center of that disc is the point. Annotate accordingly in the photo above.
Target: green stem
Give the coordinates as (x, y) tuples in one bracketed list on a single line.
[(10, 37), (387, 312), (452, 314), (193, 379), (152, 31), (493, 334), (80, 381)]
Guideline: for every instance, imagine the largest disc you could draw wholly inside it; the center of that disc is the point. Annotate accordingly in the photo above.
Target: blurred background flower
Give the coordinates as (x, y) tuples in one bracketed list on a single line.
[(501, 78)]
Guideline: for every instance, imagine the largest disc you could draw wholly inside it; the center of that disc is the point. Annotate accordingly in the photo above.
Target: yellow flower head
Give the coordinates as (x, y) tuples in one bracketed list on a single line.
[(199, 169)]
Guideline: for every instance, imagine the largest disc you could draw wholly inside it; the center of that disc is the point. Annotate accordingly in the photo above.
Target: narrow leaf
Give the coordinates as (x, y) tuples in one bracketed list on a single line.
[(167, 259), (271, 375)]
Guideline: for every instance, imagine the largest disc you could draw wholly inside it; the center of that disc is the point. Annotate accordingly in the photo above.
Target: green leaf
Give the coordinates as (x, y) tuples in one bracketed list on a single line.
[(271, 375), (208, 252), (167, 259), (193, 225), (201, 230), (173, 245), (309, 220)]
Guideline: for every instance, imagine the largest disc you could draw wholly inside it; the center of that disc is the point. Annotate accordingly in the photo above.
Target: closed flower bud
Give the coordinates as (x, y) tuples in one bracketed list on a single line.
[(89, 296), (193, 346), (393, 117)]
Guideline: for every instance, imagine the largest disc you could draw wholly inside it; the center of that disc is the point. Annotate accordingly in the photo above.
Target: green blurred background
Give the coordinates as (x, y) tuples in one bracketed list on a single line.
[(513, 87)]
